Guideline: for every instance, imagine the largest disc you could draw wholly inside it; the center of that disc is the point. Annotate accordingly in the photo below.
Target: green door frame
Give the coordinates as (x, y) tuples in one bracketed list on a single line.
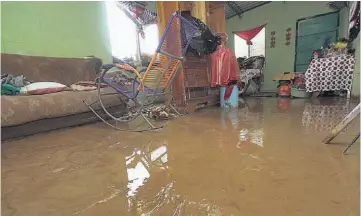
[(319, 15)]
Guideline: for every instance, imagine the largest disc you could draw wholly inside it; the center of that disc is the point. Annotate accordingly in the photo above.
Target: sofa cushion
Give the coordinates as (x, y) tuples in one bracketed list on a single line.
[(66, 71), (17, 110)]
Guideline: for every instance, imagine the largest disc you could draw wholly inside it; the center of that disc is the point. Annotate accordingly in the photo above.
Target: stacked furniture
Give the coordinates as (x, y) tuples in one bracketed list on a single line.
[(197, 79)]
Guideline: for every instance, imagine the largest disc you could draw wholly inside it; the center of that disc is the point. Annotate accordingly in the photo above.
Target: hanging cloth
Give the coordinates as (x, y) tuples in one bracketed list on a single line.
[(225, 69), (354, 21), (248, 35)]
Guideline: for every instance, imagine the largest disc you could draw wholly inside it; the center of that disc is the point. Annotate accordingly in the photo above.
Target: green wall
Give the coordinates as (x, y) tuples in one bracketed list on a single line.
[(55, 29), (356, 79), (356, 44), (279, 16), (152, 6)]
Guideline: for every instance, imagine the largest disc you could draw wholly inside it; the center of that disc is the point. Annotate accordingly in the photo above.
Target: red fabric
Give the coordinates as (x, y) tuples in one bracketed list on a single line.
[(138, 11), (49, 90), (224, 66), (228, 92), (248, 35)]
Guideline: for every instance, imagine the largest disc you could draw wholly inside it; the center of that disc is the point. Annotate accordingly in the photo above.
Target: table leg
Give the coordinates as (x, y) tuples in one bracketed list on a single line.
[(315, 94)]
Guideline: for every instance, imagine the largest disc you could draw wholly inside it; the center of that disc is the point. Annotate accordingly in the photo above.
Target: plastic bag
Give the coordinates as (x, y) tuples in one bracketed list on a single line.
[(204, 40)]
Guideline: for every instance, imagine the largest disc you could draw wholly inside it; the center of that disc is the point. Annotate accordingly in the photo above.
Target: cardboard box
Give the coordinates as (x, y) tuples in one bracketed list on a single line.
[(284, 76)]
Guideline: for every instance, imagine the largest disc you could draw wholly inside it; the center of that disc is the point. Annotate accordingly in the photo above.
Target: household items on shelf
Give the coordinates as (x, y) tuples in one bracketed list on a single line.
[(333, 73), (253, 62), (291, 84), (328, 49), (251, 74), (298, 88)]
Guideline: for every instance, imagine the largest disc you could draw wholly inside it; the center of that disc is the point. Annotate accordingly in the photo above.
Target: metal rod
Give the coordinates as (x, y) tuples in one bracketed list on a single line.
[(138, 54), (249, 50)]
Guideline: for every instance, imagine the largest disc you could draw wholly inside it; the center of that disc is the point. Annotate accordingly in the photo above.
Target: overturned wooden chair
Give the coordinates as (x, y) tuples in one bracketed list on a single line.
[(342, 126), (141, 90)]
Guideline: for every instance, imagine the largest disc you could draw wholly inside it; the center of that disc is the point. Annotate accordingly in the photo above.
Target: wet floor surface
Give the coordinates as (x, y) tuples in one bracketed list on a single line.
[(266, 158)]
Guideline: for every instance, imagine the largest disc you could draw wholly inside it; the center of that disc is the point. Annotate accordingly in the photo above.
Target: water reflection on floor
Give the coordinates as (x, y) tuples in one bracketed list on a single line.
[(265, 158)]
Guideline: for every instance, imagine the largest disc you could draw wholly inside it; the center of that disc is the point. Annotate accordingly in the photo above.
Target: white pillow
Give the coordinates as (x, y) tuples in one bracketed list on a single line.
[(40, 88)]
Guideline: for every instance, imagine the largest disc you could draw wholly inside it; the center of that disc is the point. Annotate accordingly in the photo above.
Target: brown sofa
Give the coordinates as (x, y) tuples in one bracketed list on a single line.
[(27, 115)]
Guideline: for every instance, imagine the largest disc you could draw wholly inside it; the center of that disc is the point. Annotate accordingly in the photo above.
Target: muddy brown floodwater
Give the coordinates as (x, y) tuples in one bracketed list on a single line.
[(265, 158)]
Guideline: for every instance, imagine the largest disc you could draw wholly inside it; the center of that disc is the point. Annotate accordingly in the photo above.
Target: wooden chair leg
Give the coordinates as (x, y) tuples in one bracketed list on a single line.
[(352, 142), (343, 124)]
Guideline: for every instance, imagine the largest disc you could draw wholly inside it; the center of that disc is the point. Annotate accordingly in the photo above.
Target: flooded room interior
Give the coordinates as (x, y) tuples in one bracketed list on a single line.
[(144, 108)]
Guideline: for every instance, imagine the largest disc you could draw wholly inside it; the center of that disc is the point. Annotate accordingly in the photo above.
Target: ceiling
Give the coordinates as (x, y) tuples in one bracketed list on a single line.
[(232, 8), (237, 8)]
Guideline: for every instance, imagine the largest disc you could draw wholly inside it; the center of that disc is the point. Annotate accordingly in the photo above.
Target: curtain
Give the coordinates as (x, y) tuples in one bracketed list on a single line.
[(248, 35)]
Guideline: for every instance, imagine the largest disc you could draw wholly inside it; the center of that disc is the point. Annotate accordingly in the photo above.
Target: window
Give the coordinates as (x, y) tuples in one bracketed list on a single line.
[(258, 47), (122, 32), (149, 44)]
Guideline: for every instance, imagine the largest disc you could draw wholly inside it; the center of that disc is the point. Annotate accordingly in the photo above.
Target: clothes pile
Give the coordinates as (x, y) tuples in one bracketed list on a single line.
[(11, 85), (205, 41)]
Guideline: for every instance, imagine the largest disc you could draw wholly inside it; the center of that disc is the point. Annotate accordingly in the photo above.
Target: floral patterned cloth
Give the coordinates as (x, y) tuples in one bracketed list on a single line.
[(330, 74)]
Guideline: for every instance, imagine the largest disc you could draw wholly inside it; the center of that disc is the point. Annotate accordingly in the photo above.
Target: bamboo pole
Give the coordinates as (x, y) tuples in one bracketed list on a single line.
[(343, 124)]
